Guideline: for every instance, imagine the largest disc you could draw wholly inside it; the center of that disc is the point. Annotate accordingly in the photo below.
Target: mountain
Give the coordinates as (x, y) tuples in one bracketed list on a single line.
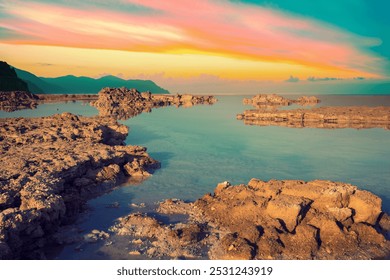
[(36, 84), (9, 80), (71, 84)]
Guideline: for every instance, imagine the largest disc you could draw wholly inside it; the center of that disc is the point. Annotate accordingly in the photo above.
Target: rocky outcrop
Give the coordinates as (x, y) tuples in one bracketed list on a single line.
[(261, 101), (123, 103), (50, 166), (17, 100), (268, 220), (323, 117)]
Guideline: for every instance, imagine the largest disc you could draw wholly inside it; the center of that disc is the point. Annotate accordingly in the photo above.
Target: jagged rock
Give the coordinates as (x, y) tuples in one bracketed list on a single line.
[(17, 100), (53, 165), (123, 103), (231, 247), (288, 219)]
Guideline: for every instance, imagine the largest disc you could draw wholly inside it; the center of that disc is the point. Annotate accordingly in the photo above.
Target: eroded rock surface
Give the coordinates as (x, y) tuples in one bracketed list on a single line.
[(269, 220), (123, 103), (50, 166), (17, 100), (358, 117), (273, 101)]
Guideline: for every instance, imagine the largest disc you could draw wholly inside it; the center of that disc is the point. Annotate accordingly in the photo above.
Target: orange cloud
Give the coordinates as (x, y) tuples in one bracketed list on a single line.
[(214, 28)]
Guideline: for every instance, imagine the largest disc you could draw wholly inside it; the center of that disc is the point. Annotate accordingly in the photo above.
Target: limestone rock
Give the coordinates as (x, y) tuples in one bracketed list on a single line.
[(123, 103), (358, 117), (367, 207), (17, 100), (287, 219), (53, 165)]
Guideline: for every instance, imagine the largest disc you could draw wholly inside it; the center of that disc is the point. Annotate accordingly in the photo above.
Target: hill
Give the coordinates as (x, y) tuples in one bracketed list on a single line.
[(9, 81), (71, 84)]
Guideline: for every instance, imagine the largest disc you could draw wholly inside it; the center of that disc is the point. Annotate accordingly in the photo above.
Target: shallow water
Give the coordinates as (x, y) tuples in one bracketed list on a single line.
[(203, 145)]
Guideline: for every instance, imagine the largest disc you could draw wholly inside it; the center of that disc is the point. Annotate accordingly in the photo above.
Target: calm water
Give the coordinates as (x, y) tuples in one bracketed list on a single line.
[(203, 145)]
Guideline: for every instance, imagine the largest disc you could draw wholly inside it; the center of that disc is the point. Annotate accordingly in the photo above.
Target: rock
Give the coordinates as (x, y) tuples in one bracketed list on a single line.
[(384, 223), (123, 103), (367, 207), (134, 253), (231, 247), (273, 101), (96, 235), (358, 117), (47, 179), (289, 209), (17, 100), (287, 219)]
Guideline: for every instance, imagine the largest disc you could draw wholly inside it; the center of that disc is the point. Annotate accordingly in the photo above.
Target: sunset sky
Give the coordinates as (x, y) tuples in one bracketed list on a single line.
[(204, 41)]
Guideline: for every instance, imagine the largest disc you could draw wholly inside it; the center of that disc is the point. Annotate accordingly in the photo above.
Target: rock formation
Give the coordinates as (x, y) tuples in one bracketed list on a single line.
[(123, 103), (260, 101), (17, 100), (323, 117), (268, 220), (50, 166)]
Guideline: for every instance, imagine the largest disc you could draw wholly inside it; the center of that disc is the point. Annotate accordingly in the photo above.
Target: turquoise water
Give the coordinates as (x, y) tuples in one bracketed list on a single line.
[(203, 145)]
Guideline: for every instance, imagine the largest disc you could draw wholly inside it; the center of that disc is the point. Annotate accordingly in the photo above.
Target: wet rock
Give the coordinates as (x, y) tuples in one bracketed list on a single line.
[(96, 235)]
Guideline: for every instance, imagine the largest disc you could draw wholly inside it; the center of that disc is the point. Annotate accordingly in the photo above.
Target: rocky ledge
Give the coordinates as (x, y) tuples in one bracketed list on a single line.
[(267, 220), (324, 117), (123, 103), (274, 100), (17, 100), (50, 166)]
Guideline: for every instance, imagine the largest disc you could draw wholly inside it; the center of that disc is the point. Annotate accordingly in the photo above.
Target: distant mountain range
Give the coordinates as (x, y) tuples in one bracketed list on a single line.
[(71, 84)]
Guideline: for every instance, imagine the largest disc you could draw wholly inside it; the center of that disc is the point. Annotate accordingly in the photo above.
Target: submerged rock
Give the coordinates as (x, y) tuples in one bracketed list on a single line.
[(51, 166), (123, 103), (270, 220)]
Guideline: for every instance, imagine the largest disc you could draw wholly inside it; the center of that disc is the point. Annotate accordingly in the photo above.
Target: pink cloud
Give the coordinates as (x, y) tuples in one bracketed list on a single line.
[(219, 27)]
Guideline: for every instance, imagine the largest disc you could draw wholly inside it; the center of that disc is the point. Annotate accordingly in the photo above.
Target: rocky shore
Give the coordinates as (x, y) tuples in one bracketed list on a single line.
[(358, 117), (123, 103), (17, 100), (267, 220), (274, 100), (50, 166)]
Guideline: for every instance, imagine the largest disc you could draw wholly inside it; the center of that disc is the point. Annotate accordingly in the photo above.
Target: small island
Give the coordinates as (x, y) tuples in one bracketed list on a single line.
[(278, 219)]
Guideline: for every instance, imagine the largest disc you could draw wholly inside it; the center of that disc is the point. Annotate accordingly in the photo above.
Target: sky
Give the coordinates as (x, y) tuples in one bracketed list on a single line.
[(201, 45)]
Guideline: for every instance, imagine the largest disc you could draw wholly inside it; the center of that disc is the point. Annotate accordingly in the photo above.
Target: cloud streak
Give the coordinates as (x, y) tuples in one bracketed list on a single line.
[(219, 28)]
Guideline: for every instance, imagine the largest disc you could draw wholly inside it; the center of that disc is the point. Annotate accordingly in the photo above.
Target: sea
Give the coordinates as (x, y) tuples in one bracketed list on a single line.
[(200, 146)]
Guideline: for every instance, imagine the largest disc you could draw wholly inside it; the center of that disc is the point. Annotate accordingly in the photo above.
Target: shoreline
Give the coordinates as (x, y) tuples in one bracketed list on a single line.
[(54, 164), (265, 220), (70, 139)]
